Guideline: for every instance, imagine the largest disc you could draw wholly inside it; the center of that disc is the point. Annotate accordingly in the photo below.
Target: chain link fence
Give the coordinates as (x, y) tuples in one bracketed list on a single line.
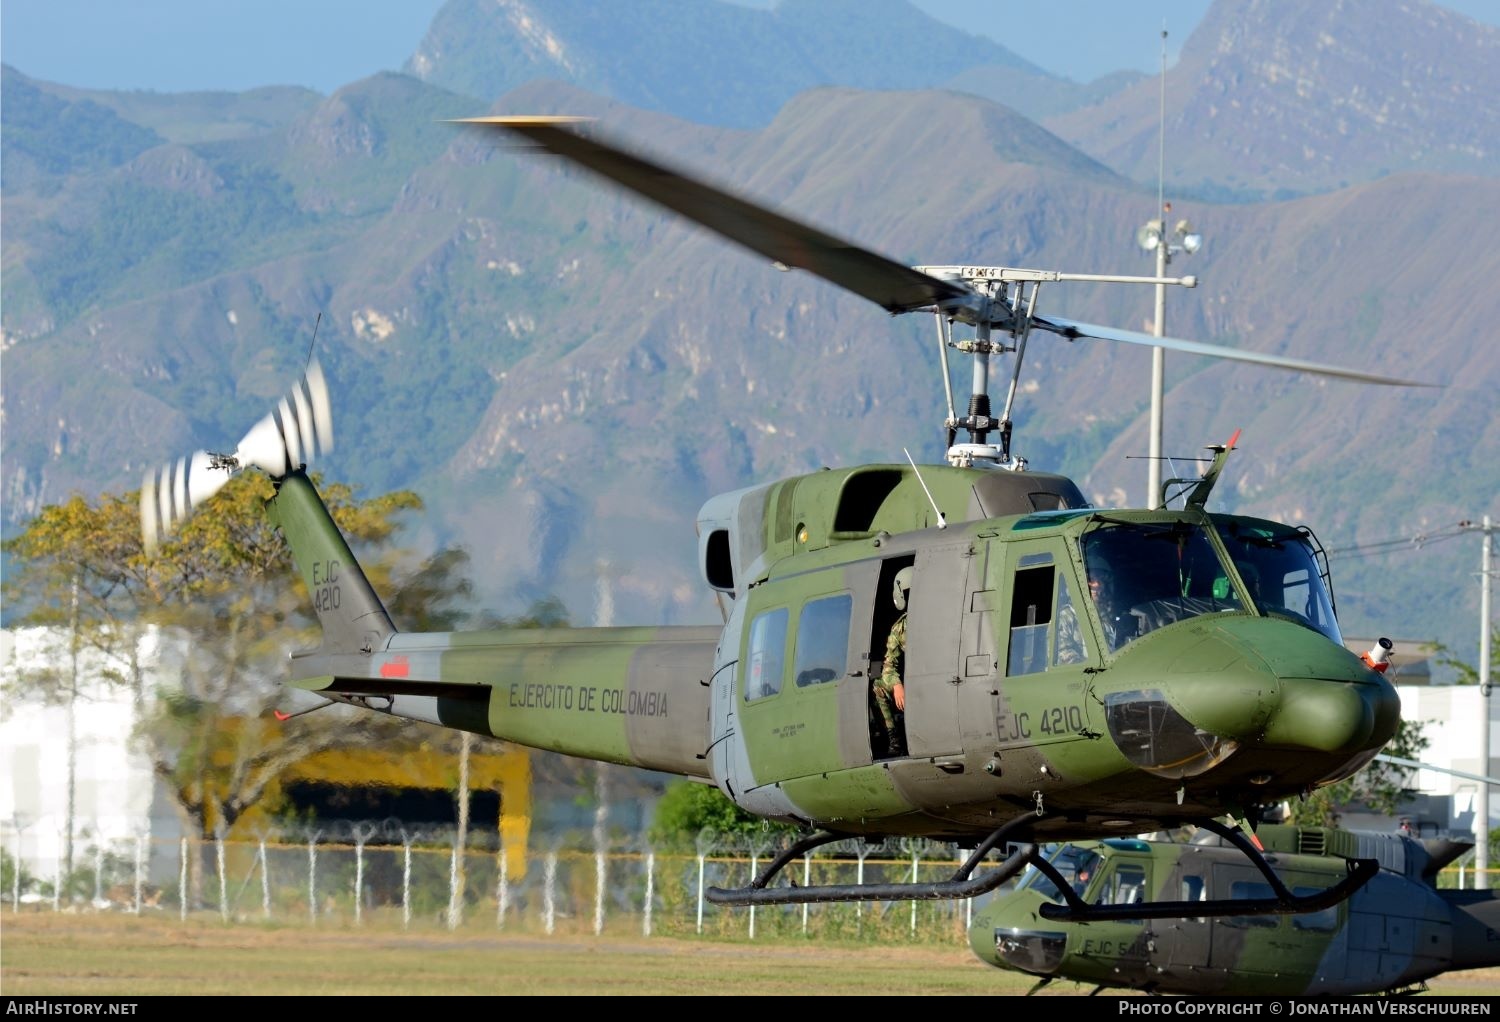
[(381, 876)]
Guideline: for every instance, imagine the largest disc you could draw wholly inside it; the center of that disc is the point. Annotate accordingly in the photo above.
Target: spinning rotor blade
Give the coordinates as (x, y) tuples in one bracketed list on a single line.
[(297, 429), (1072, 329), (892, 286)]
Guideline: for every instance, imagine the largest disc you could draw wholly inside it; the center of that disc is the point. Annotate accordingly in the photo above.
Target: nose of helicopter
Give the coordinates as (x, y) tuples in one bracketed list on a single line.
[(1251, 684), (1006, 934)]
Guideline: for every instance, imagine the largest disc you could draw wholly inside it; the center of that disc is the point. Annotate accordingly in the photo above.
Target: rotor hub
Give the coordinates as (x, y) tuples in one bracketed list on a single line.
[(984, 456)]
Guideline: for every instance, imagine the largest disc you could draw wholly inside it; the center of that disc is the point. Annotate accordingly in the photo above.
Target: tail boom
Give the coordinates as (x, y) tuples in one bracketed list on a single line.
[(633, 696)]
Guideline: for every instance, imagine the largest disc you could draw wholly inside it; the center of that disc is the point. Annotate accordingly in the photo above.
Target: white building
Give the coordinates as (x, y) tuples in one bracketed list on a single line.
[(68, 762), (1452, 717)]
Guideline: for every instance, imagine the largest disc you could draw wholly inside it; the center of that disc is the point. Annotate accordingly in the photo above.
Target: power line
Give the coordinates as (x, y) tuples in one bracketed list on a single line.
[(1420, 541)]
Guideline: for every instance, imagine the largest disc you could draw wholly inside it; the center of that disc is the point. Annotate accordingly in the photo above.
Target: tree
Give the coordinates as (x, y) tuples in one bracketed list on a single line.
[(1378, 786), (224, 580), (690, 808), (1467, 673)]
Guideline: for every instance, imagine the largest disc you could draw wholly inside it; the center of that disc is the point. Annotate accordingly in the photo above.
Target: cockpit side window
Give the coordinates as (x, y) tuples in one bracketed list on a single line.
[(1031, 615), (1125, 885)]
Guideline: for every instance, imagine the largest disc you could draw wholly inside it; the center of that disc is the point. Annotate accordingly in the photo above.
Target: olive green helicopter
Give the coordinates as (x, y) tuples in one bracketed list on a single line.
[(1070, 672), (1389, 937)]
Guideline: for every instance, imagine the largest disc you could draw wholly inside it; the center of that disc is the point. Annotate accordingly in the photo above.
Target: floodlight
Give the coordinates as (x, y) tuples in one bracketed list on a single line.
[(1149, 236)]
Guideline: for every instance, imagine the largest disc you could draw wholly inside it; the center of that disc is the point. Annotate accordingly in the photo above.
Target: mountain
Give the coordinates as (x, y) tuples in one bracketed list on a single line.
[(566, 375), (718, 62), (1270, 98)]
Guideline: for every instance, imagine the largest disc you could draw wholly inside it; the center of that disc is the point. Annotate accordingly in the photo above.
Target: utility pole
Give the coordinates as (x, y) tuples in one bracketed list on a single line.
[(1482, 807), (72, 794)]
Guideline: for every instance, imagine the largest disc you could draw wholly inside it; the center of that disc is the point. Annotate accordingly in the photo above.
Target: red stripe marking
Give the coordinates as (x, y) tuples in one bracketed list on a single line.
[(395, 667)]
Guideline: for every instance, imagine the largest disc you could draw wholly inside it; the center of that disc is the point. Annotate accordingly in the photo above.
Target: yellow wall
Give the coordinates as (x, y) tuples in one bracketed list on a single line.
[(426, 765)]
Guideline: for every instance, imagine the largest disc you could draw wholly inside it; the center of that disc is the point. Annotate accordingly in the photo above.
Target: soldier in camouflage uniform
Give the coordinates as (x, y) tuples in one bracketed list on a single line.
[(890, 693)]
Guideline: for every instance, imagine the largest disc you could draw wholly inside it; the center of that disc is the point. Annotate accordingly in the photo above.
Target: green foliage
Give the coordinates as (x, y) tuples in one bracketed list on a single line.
[(432, 597), (226, 580), (9, 881), (64, 137), (139, 238), (1467, 673), (689, 809)]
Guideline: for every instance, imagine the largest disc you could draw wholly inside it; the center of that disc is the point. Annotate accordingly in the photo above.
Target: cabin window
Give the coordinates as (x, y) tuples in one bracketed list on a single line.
[(1030, 618), (1194, 889), (1245, 890), (767, 655), (822, 640), (1324, 921)]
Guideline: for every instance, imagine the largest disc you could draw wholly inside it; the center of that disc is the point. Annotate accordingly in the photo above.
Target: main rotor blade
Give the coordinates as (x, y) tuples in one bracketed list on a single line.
[(1072, 329), (892, 286)]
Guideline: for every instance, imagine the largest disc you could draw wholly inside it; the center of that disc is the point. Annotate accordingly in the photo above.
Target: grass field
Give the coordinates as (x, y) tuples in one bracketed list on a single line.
[(114, 955)]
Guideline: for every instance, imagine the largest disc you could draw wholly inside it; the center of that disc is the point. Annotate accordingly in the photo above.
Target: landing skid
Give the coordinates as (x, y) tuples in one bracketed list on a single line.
[(1285, 902), (964, 884)]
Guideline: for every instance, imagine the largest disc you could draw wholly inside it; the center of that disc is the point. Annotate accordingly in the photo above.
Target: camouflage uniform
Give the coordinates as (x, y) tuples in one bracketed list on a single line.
[(885, 685), (1070, 645)]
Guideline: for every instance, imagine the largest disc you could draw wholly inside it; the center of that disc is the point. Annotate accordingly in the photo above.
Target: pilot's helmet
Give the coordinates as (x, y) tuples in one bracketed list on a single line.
[(902, 587), (1100, 570)]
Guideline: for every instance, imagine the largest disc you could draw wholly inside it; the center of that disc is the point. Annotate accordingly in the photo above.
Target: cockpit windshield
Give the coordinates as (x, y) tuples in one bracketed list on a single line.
[(1278, 566), (1077, 866), (1143, 575)]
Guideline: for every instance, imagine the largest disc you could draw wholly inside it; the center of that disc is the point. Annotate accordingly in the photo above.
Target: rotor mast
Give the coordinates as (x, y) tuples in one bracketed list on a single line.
[(1004, 299)]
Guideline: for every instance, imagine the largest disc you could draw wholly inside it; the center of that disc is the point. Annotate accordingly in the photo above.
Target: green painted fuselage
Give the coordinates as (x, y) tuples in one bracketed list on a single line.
[(1395, 931), (1212, 700)]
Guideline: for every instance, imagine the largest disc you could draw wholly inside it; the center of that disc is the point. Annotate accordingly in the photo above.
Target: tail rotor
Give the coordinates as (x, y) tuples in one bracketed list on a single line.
[(298, 429)]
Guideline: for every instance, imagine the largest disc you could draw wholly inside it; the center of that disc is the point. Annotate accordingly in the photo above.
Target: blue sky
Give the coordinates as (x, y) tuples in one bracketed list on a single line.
[(180, 45)]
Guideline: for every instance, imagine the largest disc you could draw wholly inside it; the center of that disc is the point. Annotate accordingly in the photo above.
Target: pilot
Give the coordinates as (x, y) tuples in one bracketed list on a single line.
[(1071, 647), (1119, 626), (890, 693)]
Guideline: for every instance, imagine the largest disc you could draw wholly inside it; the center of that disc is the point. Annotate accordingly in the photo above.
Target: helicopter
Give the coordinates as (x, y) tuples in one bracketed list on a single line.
[(1389, 937), (1218, 684)]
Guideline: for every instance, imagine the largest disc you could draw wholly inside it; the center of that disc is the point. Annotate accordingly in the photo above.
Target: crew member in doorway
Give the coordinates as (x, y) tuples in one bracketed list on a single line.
[(890, 692)]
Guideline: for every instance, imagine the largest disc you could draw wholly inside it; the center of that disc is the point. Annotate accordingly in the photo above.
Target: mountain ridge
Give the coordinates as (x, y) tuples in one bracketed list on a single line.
[(537, 352)]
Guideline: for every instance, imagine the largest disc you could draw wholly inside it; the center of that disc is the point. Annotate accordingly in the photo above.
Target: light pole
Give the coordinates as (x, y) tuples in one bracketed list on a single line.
[(1153, 236), (1482, 804)]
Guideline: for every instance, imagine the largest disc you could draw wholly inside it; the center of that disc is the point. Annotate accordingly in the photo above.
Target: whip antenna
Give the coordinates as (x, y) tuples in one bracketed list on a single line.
[(942, 521)]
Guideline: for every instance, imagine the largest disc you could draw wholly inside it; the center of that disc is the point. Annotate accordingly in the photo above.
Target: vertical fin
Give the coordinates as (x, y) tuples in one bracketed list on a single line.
[(351, 614)]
